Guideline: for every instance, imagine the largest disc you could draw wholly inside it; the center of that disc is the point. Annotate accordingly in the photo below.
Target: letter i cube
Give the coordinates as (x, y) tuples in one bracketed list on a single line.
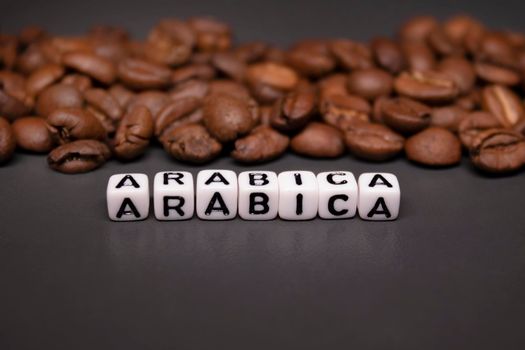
[(128, 197)]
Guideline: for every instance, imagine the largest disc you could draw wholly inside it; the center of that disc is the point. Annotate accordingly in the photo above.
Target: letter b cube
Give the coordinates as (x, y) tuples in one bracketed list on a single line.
[(258, 195), (128, 197)]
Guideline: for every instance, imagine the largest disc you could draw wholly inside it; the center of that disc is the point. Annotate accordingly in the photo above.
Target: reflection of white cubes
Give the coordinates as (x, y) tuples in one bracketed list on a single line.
[(216, 195), (173, 195), (128, 197), (298, 195), (337, 194), (258, 195), (379, 196)]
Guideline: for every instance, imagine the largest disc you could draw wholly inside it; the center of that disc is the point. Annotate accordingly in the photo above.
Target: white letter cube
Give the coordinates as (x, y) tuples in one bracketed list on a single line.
[(216, 194), (379, 196), (337, 194), (298, 195), (128, 197), (258, 195), (173, 195)]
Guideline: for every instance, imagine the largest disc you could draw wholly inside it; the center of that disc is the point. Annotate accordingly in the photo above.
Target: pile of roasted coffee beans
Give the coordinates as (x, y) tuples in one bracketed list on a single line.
[(433, 92)]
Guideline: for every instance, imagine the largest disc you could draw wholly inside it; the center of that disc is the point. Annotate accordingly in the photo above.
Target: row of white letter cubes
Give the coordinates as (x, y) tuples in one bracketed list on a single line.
[(255, 195)]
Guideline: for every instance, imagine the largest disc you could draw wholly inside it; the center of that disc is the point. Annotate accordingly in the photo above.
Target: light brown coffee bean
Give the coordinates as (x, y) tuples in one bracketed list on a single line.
[(58, 96), (191, 143), (351, 55), (133, 134), (191, 88), (43, 77), (140, 74), (405, 115), (121, 94), (418, 28), (473, 124), (269, 81), (434, 147), (79, 156), (374, 142), (319, 141), (370, 83), (211, 35), (32, 134), (343, 110), (388, 55), (497, 75), (311, 58), (448, 117), (96, 67), (460, 70), (498, 151), (201, 71), (229, 65), (418, 56), (79, 81), (260, 145), (503, 103), (429, 86)]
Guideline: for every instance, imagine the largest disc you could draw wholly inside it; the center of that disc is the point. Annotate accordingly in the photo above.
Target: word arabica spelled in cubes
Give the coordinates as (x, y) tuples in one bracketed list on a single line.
[(128, 197), (254, 195)]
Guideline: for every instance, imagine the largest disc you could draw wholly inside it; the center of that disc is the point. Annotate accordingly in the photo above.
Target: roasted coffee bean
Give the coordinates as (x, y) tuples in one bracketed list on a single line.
[(153, 100), (370, 83), (269, 81), (495, 48), (163, 48), (96, 67), (69, 124), (177, 30), (228, 87), (443, 44), (460, 70), (251, 52), (229, 65), (58, 96), (405, 115), (343, 110), (497, 75), (498, 151), (418, 56), (335, 84), (200, 71), (295, 110), (351, 55), (7, 141), (227, 117), (78, 157), (121, 94), (79, 81), (429, 86), (191, 143), (470, 102), (473, 124), (418, 28), (319, 141), (32, 134), (140, 74), (520, 127), (503, 103), (133, 134), (448, 117), (311, 58), (434, 147), (388, 55), (31, 59), (14, 101), (374, 142), (104, 102), (107, 123), (43, 77), (260, 145), (211, 35), (177, 111), (457, 27)]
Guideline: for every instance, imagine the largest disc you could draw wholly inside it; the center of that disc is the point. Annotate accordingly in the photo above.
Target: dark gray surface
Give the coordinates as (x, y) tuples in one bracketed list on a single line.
[(448, 274)]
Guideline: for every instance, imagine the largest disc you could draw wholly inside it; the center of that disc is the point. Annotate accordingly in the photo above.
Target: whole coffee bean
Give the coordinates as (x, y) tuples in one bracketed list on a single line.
[(418, 56), (497, 75), (78, 157), (43, 77), (97, 67), (343, 110), (58, 96), (311, 58), (443, 44), (260, 145), (405, 115), (460, 70), (107, 123), (228, 87), (178, 30), (191, 88), (495, 48), (520, 127), (153, 100), (319, 141), (211, 35), (374, 142), (269, 81), (370, 83), (388, 55), (104, 102), (471, 101), (227, 117), (163, 48), (200, 71), (498, 151), (133, 134), (418, 28), (335, 84), (429, 86), (176, 111), (434, 147), (79, 81), (351, 55), (32, 134), (229, 65), (251, 52), (473, 124), (31, 59), (457, 27), (503, 103), (295, 110), (14, 101), (11, 107), (121, 94), (69, 124), (140, 74), (448, 117), (191, 143), (7, 141)]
